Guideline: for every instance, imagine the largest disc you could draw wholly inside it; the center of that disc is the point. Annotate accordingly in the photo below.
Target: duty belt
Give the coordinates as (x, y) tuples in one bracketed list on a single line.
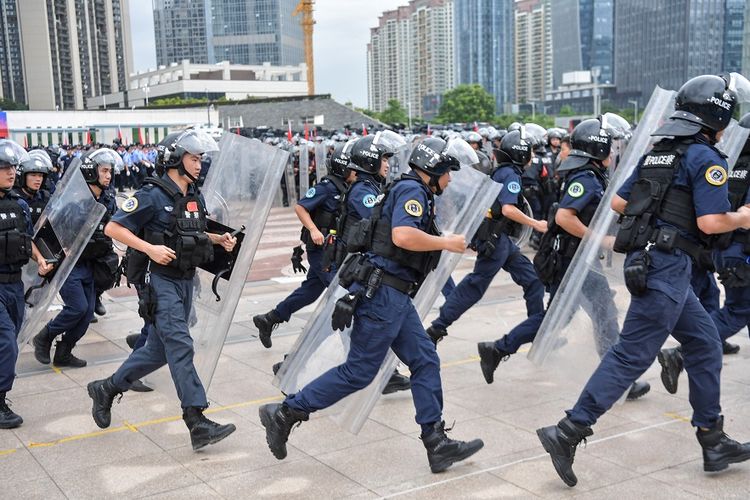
[(668, 239), (10, 277)]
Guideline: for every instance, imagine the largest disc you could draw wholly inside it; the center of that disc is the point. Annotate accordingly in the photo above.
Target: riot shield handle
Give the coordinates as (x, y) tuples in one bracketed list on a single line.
[(227, 269)]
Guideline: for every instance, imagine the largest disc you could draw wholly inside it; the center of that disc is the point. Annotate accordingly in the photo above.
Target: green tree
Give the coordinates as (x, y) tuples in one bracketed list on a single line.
[(467, 103), (394, 113), (566, 111), (8, 105)]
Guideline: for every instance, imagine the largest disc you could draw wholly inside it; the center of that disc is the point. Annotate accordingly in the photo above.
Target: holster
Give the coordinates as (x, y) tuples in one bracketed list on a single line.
[(636, 274), (147, 303), (736, 276)]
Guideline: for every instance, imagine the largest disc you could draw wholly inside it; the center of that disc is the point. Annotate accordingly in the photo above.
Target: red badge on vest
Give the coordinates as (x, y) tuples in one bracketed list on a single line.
[(192, 206)]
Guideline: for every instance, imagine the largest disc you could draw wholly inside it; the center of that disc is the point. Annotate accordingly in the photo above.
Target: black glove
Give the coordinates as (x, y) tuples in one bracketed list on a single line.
[(297, 260), (343, 311)]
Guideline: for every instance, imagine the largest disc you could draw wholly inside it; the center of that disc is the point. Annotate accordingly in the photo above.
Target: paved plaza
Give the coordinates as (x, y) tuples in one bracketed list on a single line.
[(644, 449)]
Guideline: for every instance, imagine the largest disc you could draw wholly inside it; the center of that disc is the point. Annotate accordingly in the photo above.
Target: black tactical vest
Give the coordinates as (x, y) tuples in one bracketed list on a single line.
[(37, 205), (568, 244), (739, 182), (496, 223), (15, 242), (322, 218)]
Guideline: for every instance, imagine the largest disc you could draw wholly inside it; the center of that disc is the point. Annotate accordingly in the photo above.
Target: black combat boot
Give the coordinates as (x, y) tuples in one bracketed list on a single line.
[(719, 450), (396, 383), (266, 323), (560, 442), (202, 430), (277, 366), (103, 393), (671, 367), (99, 308), (489, 357), (8, 419), (278, 419), (436, 333), (42, 345), (64, 356), (442, 451), (637, 390), (728, 348), (132, 339), (138, 386)]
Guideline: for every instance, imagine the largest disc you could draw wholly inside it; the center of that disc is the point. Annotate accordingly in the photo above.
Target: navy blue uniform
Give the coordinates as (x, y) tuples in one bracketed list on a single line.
[(669, 306), (583, 189), (506, 256), (386, 321), (78, 293), (36, 202), (11, 314), (323, 195), (169, 341)]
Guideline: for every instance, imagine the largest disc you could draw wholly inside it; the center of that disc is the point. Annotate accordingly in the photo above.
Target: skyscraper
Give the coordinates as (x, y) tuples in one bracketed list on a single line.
[(734, 27), (483, 34), (410, 55), (241, 32), (11, 55), (533, 41)]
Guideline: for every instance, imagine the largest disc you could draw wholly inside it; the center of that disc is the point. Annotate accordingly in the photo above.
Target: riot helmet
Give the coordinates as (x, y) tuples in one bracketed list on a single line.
[(514, 126), (93, 160), (436, 157), (515, 148), (54, 152), (191, 141), (473, 138), (592, 140), (368, 151), (339, 162), (38, 163)]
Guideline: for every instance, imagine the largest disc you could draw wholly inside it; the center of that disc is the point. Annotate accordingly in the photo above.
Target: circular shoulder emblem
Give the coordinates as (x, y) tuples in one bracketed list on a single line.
[(130, 204), (716, 175), (413, 207), (514, 187), (310, 193), (369, 200), (576, 190)]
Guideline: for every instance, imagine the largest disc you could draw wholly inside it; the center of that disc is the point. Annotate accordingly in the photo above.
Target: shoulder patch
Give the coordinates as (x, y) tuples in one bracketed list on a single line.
[(716, 175), (576, 190), (413, 207), (310, 193), (369, 200), (130, 204), (514, 187)]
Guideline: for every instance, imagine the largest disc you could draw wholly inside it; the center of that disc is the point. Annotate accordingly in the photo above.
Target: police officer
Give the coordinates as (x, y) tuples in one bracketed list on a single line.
[(31, 178), (18, 249), (148, 222), (405, 247), (318, 212), (475, 141), (79, 291), (583, 189), (676, 196), (495, 250)]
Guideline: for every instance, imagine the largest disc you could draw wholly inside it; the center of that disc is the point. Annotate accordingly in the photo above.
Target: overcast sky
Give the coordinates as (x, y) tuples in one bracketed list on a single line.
[(342, 31)]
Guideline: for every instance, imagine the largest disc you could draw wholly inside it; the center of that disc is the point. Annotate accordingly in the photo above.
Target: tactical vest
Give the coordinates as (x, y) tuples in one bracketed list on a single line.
[(186, 234), (37, 205), (346, 224), (99, 244), (15, 242), (495, 223), (654, 197), (738, 183), (567, 243), (322, 218)]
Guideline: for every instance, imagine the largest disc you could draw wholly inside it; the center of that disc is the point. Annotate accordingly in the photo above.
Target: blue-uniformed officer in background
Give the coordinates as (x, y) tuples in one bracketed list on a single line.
[(405, 247), (148, 222), (585, 180), (676, 196), (18, 249), (318, 212), (79, 292), (31, 179), (495, 250)]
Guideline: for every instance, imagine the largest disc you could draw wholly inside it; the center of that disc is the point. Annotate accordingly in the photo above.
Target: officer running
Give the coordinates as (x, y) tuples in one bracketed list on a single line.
[(166, 221), (676, 196)]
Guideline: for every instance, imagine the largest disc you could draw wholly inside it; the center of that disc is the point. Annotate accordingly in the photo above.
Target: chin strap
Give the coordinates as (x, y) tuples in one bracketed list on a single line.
[(434, 183), (181, 170)]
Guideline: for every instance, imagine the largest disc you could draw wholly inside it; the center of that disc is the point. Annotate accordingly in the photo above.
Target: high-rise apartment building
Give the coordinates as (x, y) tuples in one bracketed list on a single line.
[(56, 53), (734, 34), (241, 32), (483, 34), (410, 55), (533, 39)]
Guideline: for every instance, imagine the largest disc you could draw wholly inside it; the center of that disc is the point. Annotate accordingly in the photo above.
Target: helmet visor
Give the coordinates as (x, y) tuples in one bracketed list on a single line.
[(348, 147), (197, 142), (534, 131), (12, 153), (460, 150), (617, 126), (741, 86), (390, 140), (104, 156), (38, 162)]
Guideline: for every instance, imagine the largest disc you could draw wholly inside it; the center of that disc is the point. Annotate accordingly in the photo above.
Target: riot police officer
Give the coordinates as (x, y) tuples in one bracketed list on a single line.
[(585, 181), (475, 141), (495, 250), (31, 179), (405, 247), (676, 196), (318, 212), (166, 222), (18, 249)]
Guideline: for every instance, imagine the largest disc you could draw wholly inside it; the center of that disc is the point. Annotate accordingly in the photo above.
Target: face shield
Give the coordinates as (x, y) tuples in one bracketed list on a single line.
[(741, 86), (196, 142), (534, 131), (462, 151), (39, 162), (12, 154), (107, 157), (390, 140)]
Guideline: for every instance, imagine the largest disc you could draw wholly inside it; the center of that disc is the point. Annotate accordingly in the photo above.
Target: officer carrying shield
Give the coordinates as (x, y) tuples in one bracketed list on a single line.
[(676, 196), (31, 179), (495, 250), (166, 221), (406, 245), (18, 249)]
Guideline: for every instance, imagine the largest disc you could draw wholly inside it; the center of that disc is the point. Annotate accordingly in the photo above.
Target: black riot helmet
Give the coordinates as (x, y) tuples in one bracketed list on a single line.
[(590, 140), (514, 148), (368, 151), (159, 166), (54, 152), (339, 162), (191, 141), (93, 160), (514, 126), (12, 155), (435, 157), (704, 103), (38, 162)]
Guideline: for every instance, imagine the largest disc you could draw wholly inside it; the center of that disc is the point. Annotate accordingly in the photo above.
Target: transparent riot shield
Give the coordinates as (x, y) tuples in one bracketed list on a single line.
[(459, 211), (732, 142), (291, 188), (320, 161), (583, 320), (304, 169), (61, 234), (239, 191), (522, 233)]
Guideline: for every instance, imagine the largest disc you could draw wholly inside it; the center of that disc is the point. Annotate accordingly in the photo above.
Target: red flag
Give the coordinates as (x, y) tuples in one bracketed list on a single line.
[(307, 132), (476, 127), (289, 131), (25, 142), (140, 136), (65, 138), (364, 129), (88, 137), (119, 134)]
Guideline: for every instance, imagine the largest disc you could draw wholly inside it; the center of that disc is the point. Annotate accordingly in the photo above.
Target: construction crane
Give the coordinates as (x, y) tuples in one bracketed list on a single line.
[(305, 7)]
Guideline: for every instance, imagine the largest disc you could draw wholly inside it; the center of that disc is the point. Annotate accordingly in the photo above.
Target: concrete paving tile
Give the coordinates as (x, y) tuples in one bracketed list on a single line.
[(500, 439), (689, 476), (488, 400), (19, 466), (41, 488), (304, 479), (48, 428), (478, 486), (322, 435), (170, 435), (41, 383), (126, 478), (195, 491), (396, 411), (41, 406), (530, 419), (644, 488)]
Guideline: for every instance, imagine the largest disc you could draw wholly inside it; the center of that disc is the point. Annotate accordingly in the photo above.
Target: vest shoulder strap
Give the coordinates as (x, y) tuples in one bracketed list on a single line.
[(175, 194), (338, 182)]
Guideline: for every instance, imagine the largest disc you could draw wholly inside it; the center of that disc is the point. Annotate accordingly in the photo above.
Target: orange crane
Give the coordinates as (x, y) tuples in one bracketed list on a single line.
[(305, 7)]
